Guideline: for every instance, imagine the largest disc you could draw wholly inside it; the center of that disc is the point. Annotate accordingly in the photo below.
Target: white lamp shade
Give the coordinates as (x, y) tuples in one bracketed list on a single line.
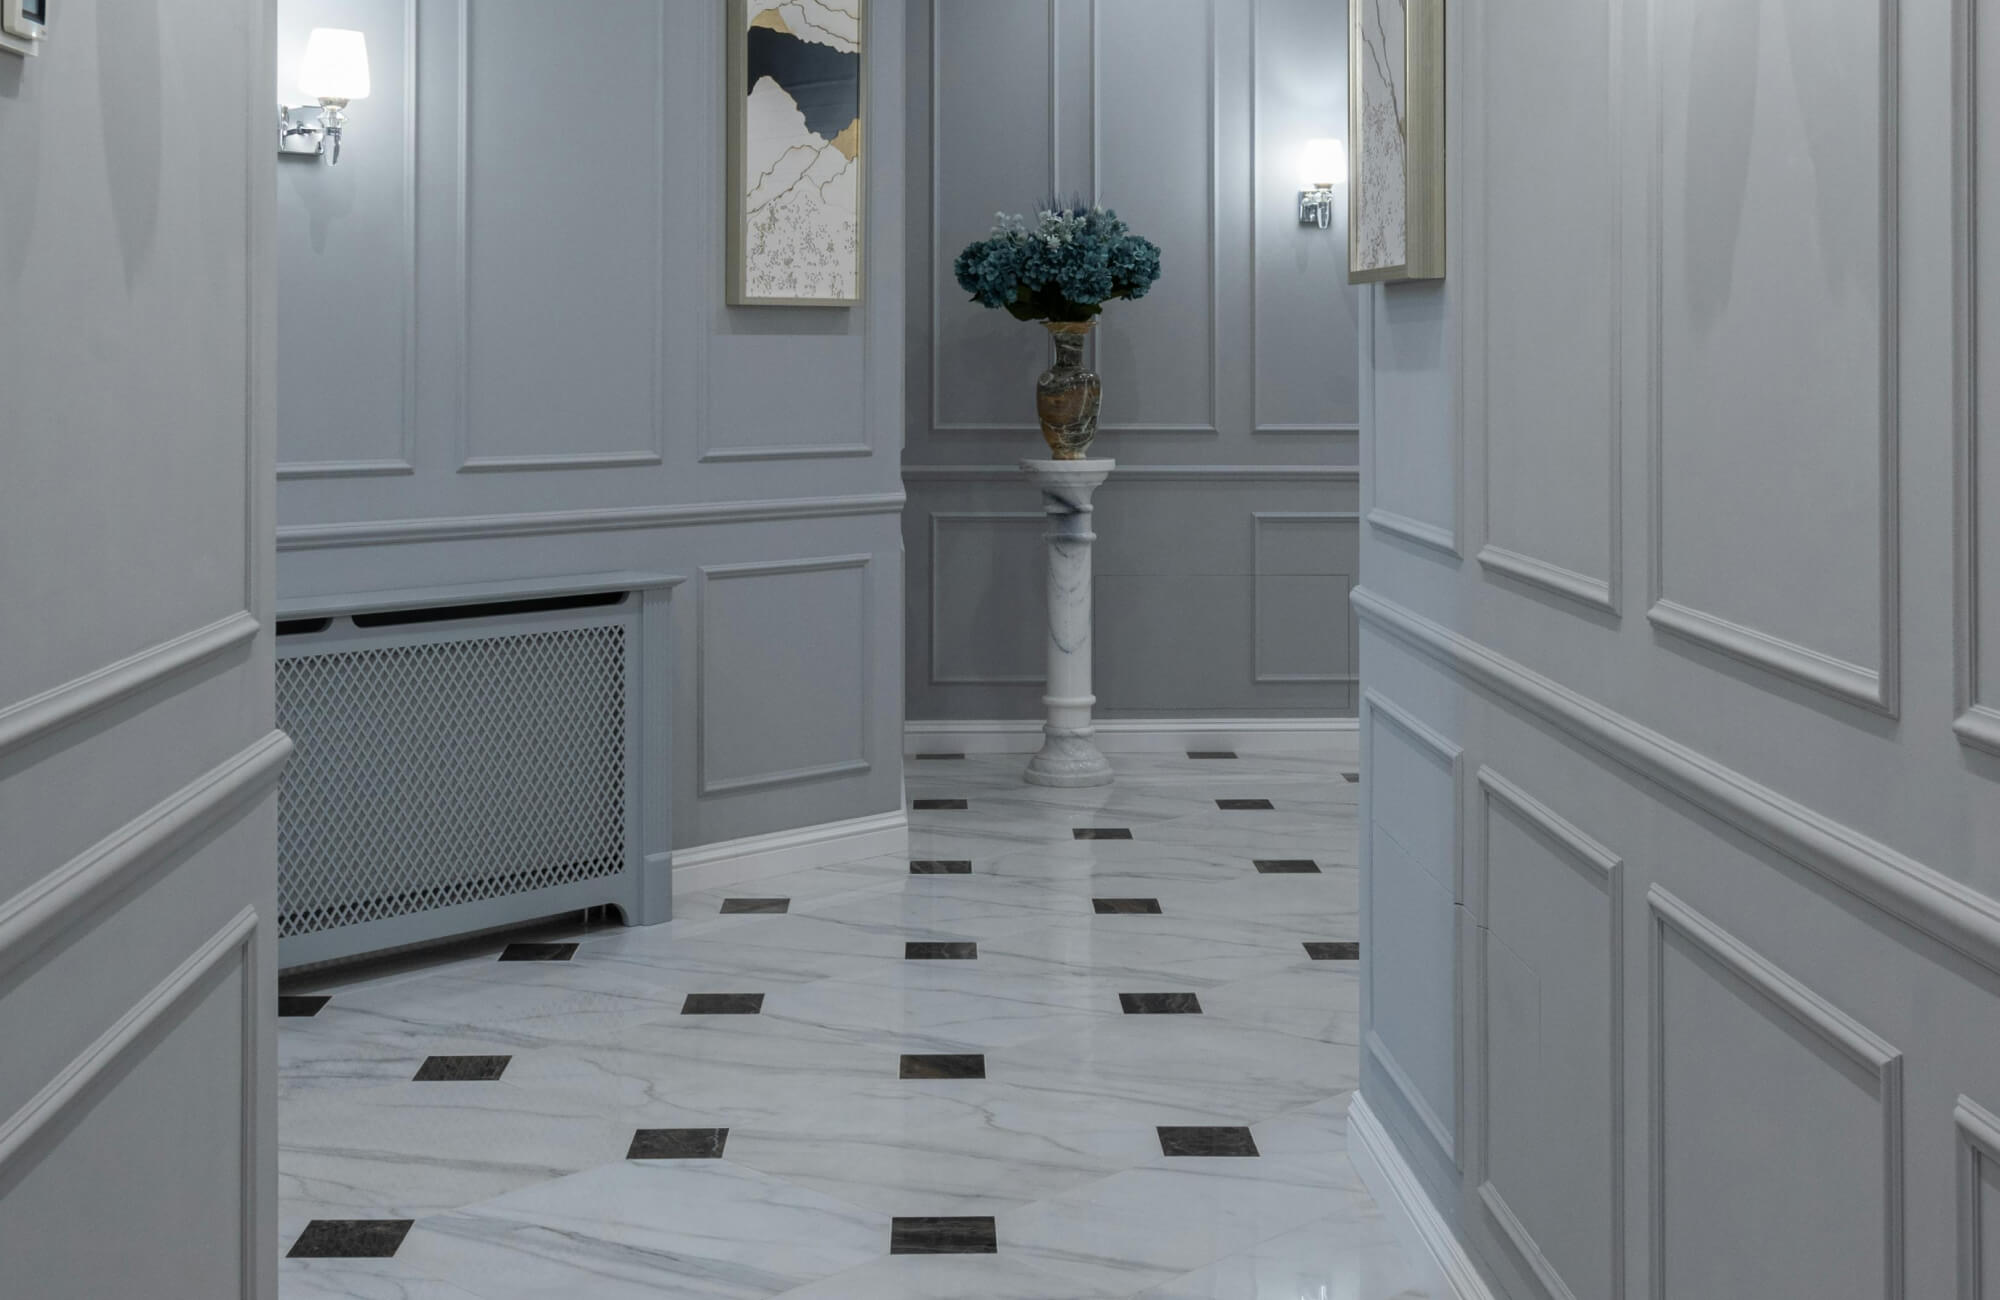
[(1323, 163), (335, 65)]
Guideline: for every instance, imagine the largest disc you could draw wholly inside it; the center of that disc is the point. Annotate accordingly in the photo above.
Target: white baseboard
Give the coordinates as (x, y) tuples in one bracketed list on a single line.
[(710, 866), (1448, 1270), (1138, 735)]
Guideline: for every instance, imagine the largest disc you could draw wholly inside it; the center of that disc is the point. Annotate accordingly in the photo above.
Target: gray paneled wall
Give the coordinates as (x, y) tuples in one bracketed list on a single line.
[(1682, 789), (504, 353), (1227, 537)]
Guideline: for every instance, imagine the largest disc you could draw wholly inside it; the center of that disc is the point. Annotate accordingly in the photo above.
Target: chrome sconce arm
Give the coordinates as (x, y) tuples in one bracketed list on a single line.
[(1316, 207), (300, 134)]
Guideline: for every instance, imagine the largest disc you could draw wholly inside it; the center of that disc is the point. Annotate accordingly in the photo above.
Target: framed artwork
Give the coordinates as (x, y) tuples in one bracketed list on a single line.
[(795, 152), (1395, 132)]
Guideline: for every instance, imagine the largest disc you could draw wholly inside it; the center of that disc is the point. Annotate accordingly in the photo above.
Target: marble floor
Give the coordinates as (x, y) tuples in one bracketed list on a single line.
[(1076, 1044)]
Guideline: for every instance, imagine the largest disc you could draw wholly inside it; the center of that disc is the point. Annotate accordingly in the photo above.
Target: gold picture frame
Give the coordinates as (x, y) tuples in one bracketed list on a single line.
[(1395, 137), (794, 124)]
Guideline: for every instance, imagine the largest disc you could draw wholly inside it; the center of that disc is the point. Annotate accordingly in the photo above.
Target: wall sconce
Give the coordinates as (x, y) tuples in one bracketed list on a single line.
[(1324, 165), (335, 72)]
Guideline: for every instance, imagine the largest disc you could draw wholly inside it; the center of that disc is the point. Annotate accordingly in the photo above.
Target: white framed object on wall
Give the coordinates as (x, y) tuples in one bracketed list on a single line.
[(22, 24)]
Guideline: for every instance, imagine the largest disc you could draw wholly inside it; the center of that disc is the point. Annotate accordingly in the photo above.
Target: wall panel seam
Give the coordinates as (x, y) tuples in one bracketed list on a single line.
[(1953, 913), (389, 532)]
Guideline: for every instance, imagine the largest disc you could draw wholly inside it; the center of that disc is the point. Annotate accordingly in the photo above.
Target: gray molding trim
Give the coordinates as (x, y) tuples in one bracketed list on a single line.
[(1582, 588), (1822, 672), (66, 705), (391, 532), (1978, 1142), (1412, 1097), (1602, 594), (1448, 752), (1283, 430), (1257, 574), (406, 462), (1041, 520), (1142, 473), (237, 938), (1415, 530), (710, 573), (63, 898), (1812, 1012), (1978, 722), (1566, 839), (1954, 914), (342, 604), (655, 451), (1409, 1208), (795, 451), (1876, 690)]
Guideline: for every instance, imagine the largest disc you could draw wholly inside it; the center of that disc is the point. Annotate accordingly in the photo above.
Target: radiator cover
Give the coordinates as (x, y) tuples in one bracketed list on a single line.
[(453, 773)]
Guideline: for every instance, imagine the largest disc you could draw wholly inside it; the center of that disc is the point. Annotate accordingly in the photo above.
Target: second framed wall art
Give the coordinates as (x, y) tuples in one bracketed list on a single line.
[(1395, 132)]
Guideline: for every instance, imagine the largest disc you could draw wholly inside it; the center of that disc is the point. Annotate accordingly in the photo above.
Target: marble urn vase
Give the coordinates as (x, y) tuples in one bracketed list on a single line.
[(1067, 395)]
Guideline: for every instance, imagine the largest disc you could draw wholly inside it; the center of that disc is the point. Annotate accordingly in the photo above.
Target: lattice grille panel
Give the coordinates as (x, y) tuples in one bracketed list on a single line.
[(449, 772)]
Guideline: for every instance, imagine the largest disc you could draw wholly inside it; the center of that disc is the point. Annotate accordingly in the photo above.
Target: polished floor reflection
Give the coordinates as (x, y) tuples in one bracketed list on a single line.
[(1075, 1044)]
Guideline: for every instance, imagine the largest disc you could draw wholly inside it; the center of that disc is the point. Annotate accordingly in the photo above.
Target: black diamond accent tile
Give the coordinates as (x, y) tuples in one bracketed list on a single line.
[(965, 1236), (1352, 778), (299, 1004), (461, 1069), (734, 905), (934, 758), (1207, 1142), (939, 805), (678, 1144), (941, 951), (1244, 805), (941, 867), (1288, 866), (1160, 1004), (1126, 906), (723, 1004), (1211, 753), (1334, 951), (350, 1239), (944, 1067), (1101, 833), (538, 952)]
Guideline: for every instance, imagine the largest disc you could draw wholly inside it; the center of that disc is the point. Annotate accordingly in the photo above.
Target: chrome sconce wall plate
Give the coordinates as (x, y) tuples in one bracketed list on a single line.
[(23, 23), (335, 72), (1324, 165)]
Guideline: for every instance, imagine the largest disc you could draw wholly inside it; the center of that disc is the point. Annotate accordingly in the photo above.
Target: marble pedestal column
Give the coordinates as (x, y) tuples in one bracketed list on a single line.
[(1069, 754)]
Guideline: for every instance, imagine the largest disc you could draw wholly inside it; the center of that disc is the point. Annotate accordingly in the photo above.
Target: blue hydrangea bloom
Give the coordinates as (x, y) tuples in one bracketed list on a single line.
[(1063, 267)]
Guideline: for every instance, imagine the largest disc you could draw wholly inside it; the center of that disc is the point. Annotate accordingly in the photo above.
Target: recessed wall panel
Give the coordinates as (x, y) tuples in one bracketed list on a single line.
[(1546, 228), (1777, 311), (988, 599), (562, 282)]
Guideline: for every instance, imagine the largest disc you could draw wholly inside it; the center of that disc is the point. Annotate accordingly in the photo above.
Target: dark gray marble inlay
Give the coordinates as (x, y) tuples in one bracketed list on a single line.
[(461, 1069), (1207, 1142), (1346, 951), (731, 906), (939, 757), (351, 1239), (1245, 805), (941, 867), (944, 1067), (1101, 833), (1352, 778), (538, 952), (1211, 753), (940, 951), (1160, 1004), (722, 1004), (302, 1004), (1288, 866), (956, 1236), (678, 1144), (1126, 906), (939, 805)]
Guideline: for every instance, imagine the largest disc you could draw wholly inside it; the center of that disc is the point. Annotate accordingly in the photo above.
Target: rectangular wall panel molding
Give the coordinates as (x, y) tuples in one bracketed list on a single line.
[(1875, 1200), (1819, 607), (1551, 1069), (1976, 45)]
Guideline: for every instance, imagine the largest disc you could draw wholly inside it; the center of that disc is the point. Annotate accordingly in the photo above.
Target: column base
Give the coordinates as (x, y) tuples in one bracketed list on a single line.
[(1068, 762)]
